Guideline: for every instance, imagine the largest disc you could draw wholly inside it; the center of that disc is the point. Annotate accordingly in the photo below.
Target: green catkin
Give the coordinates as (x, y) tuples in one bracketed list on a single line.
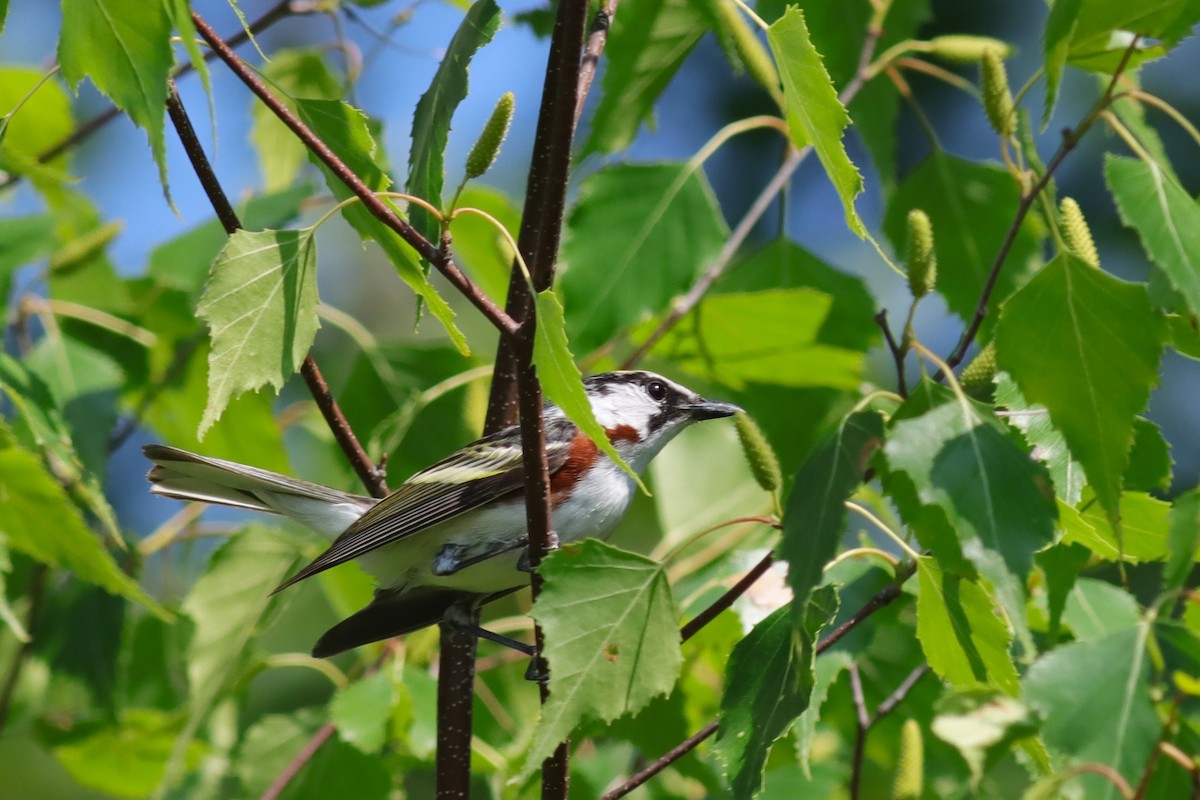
[(977, 376), (759, 455), (997, 98), (910, 763), (1079, 237), (487, 147), (965, 49), (922, 260), (748, 47)]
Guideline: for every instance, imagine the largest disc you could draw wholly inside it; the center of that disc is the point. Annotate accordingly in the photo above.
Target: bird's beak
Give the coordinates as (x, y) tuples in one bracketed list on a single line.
[(711, 409)]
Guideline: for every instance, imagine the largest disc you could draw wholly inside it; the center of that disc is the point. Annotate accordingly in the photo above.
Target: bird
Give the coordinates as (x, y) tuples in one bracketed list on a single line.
[(456, 531)]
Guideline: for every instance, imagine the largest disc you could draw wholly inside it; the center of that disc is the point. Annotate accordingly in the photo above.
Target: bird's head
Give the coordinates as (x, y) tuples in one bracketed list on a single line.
[(642, 411)]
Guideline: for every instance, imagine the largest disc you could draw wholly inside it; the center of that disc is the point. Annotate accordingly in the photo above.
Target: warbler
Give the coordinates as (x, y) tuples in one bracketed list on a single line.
[(456, 530)]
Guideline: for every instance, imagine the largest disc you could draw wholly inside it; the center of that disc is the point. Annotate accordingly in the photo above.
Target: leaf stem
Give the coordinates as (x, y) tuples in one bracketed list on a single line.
[(877, 522)]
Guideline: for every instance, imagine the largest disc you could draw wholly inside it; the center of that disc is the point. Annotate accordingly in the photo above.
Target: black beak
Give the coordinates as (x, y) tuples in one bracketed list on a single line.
[(711, 409)]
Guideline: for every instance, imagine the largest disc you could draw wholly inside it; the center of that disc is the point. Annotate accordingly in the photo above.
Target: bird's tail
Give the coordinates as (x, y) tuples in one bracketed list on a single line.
[(188, 476)]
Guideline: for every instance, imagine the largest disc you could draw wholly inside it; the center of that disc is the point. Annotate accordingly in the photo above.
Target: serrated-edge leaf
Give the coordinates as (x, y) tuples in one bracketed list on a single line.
[(815, 516), (633, 671), (260, 332), (562, 382), (435, 109), (814, 114), (1182, 540), (1166, 218)]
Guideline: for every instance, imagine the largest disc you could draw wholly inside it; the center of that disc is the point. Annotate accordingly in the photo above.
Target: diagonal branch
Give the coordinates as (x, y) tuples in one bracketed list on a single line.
[(371, 476), (375, 205)]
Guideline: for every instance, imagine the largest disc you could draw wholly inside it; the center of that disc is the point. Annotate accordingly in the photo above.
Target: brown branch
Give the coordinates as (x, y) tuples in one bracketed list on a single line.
[(670, 757), (880, 599), (862, 722), (85, 129), (897, 697), (545, 198), (372, 477), (375, 205), (681, 307), (723, 602), (318, 740), (455, 703), (896, 351), (1070, 138)]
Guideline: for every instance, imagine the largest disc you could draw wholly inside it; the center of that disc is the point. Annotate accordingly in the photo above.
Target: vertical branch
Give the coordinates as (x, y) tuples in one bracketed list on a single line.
[(371, 476)]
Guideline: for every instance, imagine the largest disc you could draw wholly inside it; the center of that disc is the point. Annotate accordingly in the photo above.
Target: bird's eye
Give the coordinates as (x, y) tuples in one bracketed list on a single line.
[(657, 391)]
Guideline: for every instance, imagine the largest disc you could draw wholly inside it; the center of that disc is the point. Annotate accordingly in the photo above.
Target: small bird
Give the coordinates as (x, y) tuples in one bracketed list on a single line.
[(456, 530)]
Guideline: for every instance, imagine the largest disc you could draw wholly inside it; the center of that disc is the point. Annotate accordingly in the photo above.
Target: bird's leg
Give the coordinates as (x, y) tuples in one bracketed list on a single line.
[(453, 558), (524, 562)]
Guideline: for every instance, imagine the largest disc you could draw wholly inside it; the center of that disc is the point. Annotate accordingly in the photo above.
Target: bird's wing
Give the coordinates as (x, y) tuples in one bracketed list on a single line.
[(475, 475)]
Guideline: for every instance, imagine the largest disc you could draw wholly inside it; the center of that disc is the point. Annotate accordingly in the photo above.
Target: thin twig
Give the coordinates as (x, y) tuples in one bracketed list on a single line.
[(880, 599), (1070, 138), (896, 351), (862, 722), (375, 205), (597, 38), (757, 209), (670, 757), (372, 477), (318, 740), (897, 697), (726, 600)]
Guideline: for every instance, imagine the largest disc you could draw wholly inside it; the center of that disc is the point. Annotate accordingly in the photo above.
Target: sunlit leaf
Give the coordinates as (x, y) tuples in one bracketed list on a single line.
[(435, 109), (123, 46), (1095, 705), (963, 635), (261, 308), (1086, 346), (298, 74), (648, 44), (1182, 540), (981, 724), (814, 114), (638, 235), (361, 711), (1096, 609), (612, 638)]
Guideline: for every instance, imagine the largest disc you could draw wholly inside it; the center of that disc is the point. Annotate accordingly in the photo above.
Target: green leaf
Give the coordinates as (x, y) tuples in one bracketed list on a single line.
[(1061, 564), (267, 748), (1143, 523), (181, 18), (971, 208), (964, 637), (361, 711), (815, 517), (981, 725), (826, 670), (478, 247), (1182, 540), (1166, 218), (767, 337), (127, 760), (1047, 442), (649, 41), (38, 519), (612, 639), (627, 217), (561, 379), (435, 110), (340, 770), (1094, 701), (298, 73), (1150, 459), (1086, 346), (124, 47), (1096, 609), (768, 684), (46, 429), (261, 308), (8, 614), (814, 114), (963, 460), (43, 118), (345, 129), (1094, 34), (23, 239), (183, 262)]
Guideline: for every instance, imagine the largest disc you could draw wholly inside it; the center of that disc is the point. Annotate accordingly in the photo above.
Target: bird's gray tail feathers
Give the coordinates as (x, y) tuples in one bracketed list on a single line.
[(188, 476)]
